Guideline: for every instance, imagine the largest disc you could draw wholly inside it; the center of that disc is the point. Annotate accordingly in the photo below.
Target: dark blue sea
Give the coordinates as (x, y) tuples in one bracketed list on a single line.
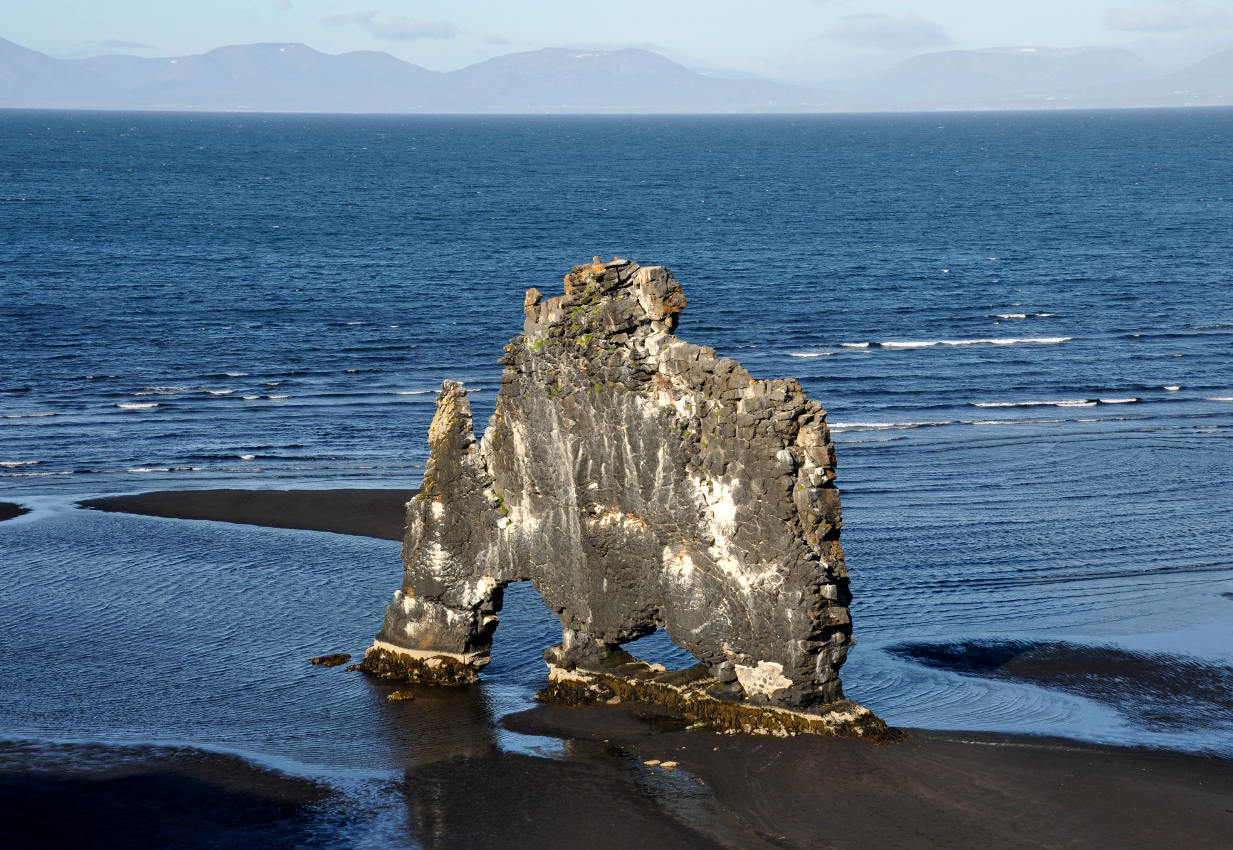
[(1021, 326)]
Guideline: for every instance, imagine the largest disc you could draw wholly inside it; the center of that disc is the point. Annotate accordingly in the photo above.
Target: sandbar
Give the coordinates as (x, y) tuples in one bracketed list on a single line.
[(367, 513), (9, 511)]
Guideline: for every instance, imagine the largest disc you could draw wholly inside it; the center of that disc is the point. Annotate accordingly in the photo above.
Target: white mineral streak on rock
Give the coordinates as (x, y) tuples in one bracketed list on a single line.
[(679, 566), (404, 600), (476, 592), (439, 558), (683, 405), (721, 523), (766, 678)]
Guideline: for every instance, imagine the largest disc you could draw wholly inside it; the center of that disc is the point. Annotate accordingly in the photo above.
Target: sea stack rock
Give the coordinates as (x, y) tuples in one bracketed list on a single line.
[(639, 482)]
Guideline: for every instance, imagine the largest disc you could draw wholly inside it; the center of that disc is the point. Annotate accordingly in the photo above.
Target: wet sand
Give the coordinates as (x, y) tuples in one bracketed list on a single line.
[(92, 795), (368, 513), (932, 790), (8, 511)]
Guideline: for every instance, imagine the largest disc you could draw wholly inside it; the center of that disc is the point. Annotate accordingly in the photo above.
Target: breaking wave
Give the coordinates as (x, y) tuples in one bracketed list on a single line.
[(1075, 402), (1031, 340)]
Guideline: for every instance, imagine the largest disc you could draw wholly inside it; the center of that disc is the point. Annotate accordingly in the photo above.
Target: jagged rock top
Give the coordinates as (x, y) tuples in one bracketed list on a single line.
[(622, 298)]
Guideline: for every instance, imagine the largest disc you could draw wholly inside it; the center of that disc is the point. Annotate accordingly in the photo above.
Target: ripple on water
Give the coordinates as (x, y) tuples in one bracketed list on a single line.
[(1153, 690)]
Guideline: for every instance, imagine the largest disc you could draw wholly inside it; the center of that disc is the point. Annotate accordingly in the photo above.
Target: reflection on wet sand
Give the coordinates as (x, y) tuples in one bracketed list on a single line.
[(596, 796), (438, 725)]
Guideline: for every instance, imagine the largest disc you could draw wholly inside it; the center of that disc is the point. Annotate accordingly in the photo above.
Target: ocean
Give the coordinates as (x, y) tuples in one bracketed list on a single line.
[(1021, 325)]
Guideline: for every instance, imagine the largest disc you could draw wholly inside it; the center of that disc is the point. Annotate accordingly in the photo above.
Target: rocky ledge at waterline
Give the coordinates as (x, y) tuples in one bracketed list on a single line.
[(639, 482)]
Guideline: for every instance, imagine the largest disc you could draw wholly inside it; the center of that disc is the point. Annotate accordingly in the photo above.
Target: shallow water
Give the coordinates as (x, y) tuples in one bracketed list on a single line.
[(1022, 327)]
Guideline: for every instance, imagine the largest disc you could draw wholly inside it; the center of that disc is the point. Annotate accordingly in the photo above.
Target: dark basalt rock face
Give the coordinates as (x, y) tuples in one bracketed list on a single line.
[(640, 482)]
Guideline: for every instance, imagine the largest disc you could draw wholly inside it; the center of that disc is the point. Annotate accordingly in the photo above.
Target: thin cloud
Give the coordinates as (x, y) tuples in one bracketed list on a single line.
[(495, 38), (395, 28), (1168, 17), (887, 32), (283, 6)]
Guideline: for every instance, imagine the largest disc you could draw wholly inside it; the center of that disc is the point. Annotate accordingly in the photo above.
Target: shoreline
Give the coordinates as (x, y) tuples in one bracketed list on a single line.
[(933, 789)]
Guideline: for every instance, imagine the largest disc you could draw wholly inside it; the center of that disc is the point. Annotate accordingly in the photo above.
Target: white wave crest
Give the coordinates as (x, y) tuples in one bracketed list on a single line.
[(910, 344), (143, 406), (1131, 400), (13, 464), (853, 345), (1219, 398), (220, 392), (809, 354), (413, 392), (1066, 402), (26, 415), (1172, 388), (839, 427), (165, 390), (1028, 340)]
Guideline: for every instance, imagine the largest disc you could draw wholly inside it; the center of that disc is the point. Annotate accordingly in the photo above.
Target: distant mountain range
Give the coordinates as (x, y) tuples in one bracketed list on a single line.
[(296, 78), (1028, 77)]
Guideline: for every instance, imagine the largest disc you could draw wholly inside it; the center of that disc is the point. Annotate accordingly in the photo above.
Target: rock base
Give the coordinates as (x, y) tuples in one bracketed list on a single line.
[(420, 669), (701, 699)]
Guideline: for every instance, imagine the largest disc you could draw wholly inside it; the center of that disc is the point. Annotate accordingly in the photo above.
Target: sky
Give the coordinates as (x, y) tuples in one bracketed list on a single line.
[(798, 40)]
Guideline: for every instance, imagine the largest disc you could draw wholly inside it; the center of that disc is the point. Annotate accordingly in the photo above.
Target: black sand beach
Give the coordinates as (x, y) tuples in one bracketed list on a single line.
[(93, 795), (8, 511), (936, 789), (368, 513), (932, 790)]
